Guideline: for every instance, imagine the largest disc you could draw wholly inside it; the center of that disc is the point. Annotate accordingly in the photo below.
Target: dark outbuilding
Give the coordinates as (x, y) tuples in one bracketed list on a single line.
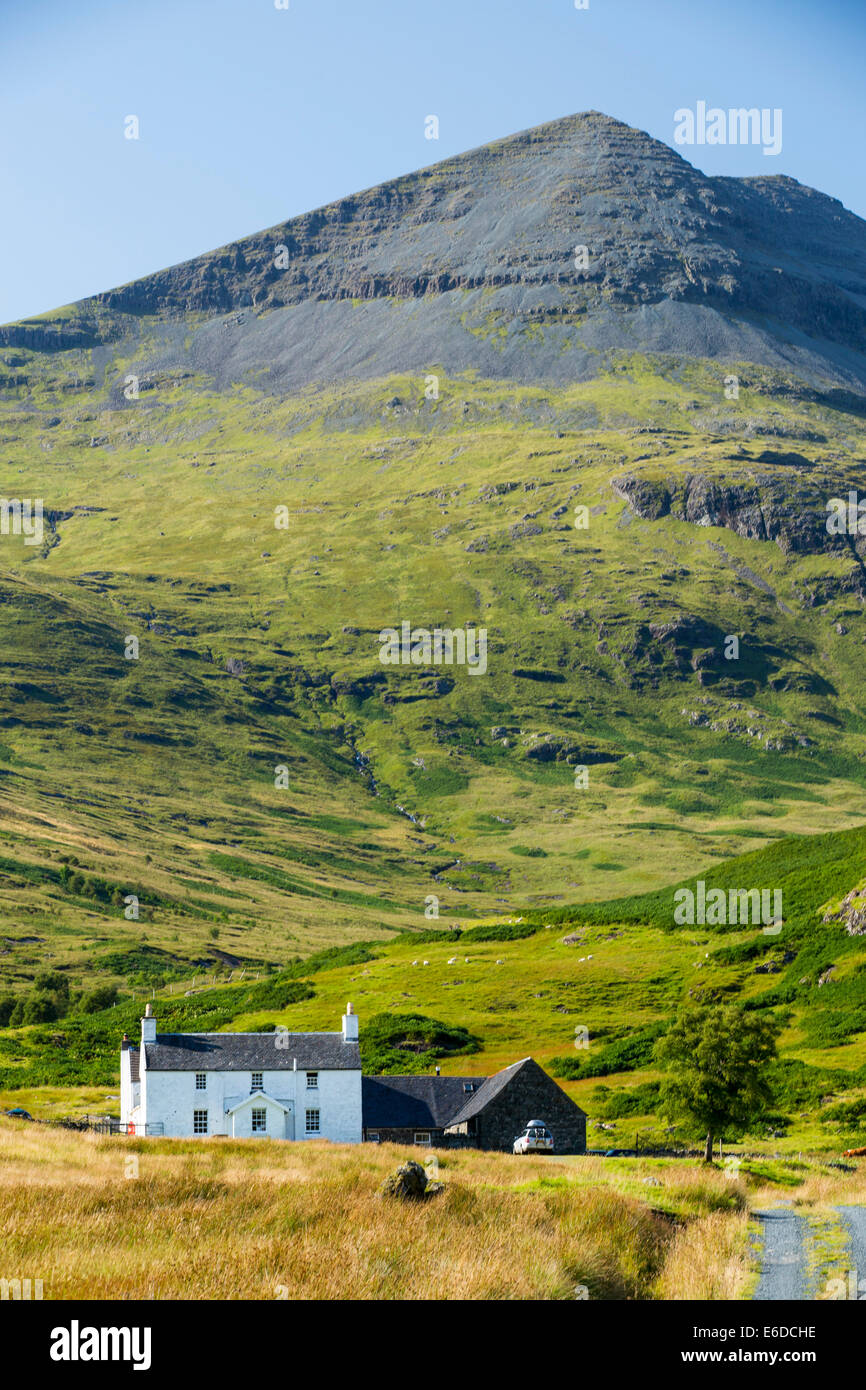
[(484, 1112)]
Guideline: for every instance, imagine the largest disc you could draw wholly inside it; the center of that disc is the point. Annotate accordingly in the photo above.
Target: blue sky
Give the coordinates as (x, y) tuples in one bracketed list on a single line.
[(249, 114)]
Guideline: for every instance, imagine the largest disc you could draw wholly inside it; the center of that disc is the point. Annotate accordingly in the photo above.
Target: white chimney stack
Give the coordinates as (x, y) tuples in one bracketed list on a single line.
[(350, 1025), (148, 1026)]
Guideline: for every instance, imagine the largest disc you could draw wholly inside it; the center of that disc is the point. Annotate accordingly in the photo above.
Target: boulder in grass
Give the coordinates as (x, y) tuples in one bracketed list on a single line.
[(408, 1182)]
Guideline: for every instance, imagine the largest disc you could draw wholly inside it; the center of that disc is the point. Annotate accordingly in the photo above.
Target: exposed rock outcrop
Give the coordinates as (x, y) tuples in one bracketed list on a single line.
[(481, 247), (782, 507)]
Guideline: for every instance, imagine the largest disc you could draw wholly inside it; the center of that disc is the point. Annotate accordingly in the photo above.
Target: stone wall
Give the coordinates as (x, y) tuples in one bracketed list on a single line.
[(532, 1095), (407, 1136)]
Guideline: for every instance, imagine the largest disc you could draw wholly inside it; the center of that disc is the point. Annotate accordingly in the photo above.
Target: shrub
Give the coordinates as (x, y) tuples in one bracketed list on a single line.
[(850, 1113), (503, 933), (627, 1054), (330, 958), (617, 1105), (53, 982), (395, 1043), (98, 999), (429, 936), (39, 1007)]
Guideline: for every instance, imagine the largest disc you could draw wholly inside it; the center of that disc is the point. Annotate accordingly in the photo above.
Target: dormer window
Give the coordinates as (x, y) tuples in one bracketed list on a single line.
[(468, 1087), (257, 1082)]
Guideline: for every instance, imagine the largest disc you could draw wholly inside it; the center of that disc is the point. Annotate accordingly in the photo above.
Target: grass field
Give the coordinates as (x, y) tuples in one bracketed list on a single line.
[(113, 1218)]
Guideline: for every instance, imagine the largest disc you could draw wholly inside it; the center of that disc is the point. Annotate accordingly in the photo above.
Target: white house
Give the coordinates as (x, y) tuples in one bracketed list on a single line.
[(285, 1085)]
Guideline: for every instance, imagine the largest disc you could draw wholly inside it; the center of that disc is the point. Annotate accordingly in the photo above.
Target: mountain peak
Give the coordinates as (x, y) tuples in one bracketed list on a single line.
[(591, 233)]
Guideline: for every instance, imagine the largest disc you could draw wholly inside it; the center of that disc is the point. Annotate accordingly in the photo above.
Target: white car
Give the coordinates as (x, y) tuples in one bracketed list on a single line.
[(536, 1138)]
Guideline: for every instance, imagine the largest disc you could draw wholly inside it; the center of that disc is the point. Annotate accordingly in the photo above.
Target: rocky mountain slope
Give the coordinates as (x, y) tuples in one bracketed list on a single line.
[(471, 263), (458, 426)]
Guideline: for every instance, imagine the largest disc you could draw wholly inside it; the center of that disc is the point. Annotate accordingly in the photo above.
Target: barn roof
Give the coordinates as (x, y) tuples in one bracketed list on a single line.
[(474, 1104), (251, 1052), (497, 1083), (413, 1102)]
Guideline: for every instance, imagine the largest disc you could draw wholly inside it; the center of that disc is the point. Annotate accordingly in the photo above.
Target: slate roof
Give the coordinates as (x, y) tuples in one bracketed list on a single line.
[(251, 1052), (413, 1102), (134, 1058), (474, 1104)]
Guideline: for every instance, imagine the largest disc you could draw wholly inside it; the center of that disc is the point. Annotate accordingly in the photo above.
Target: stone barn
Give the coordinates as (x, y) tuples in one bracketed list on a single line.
[(413, 1109), (484, 1112)]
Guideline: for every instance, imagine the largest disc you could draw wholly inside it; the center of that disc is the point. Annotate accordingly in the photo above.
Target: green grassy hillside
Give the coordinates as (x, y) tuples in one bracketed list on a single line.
[(258, 650), (612, 974)]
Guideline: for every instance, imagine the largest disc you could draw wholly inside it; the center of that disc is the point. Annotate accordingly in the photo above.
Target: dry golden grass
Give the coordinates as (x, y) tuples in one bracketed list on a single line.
[(709, 1259), (824, 1189), (114, 1218)]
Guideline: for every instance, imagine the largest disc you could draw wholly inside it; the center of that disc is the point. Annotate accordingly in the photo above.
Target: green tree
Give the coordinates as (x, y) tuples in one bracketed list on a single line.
[(39, 1008), (98, 999), (717, 1059), (53, 982)]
